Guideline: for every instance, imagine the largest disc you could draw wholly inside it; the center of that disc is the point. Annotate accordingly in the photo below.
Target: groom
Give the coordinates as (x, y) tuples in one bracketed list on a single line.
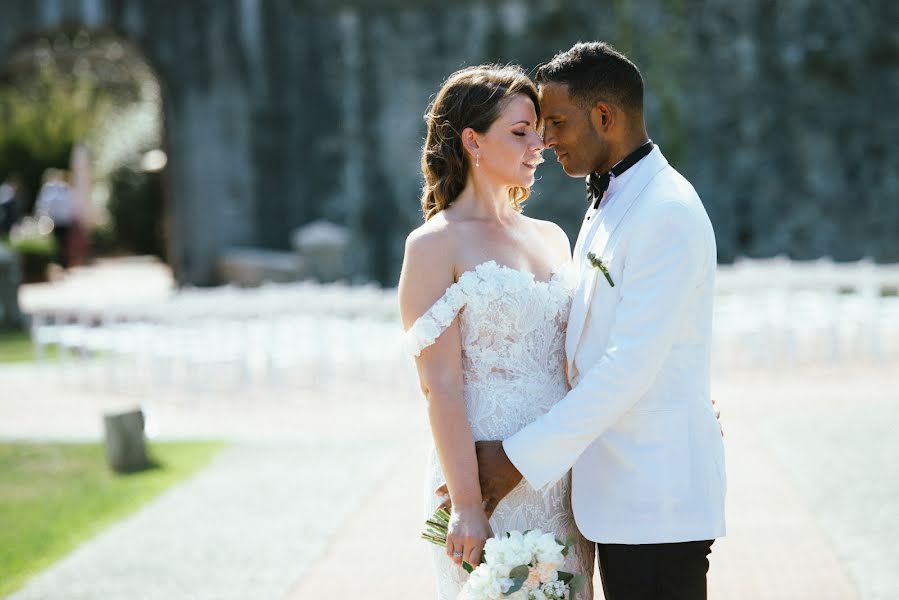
[(637, 429)]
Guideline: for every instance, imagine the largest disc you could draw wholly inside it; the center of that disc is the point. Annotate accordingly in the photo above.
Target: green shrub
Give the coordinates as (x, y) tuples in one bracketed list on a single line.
[(36, 254), (103, 240), (43, 118)]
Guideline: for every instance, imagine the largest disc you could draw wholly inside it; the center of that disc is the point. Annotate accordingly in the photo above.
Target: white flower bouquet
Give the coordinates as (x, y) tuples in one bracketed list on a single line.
[(517, 566)]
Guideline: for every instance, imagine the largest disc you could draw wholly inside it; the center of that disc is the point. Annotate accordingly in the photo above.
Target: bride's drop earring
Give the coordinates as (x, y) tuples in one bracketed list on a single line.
[(477, 159)]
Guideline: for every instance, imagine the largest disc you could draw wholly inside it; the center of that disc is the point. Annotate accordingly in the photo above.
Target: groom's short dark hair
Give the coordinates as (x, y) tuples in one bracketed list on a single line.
[(595, 72)]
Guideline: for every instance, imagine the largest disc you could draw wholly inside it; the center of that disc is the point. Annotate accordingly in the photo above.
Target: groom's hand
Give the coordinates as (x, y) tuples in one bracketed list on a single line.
[(496, 472)]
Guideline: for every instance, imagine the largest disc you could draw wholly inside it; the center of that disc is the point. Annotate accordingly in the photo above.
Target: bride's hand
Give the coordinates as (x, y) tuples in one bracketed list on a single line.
[(467, 533)]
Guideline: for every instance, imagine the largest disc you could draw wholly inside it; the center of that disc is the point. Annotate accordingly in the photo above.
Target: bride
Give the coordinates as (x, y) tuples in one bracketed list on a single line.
[(484, 295)]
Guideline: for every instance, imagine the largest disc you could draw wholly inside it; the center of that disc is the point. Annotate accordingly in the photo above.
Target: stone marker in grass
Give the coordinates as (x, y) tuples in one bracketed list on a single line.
[(126, 449)]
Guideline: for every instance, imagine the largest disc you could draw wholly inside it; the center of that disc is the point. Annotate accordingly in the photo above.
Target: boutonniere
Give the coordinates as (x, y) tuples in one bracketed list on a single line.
[(597, 263)]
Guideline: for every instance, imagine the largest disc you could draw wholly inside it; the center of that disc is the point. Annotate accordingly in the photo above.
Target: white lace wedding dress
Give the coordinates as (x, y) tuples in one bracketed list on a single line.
[(513, 359)]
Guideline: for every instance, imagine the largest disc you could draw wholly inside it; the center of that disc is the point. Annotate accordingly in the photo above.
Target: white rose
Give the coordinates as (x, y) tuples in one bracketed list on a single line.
[(494, 556), (492, 550), (548, 550), (515, 550), (482, 584), (495, 591), (532, 539)]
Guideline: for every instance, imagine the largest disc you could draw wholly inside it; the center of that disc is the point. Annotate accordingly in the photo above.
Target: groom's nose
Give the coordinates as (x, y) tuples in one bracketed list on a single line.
[(549, 140)]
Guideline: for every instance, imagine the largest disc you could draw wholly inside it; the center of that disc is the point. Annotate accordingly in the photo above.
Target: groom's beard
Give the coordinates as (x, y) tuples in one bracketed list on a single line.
[(589, 153)]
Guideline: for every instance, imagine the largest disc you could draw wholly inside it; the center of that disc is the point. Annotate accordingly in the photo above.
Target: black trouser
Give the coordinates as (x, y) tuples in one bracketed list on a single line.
[(654, 571)]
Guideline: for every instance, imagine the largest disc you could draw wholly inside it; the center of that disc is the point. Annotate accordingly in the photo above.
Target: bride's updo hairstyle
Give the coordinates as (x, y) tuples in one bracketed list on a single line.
[(473, 97)]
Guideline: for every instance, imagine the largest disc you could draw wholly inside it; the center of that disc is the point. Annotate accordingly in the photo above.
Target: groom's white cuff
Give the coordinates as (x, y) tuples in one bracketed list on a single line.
[(519, 448)]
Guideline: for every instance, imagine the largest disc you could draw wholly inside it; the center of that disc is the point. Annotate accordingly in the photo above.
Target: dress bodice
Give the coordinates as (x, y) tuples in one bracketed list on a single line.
[(513, 343)]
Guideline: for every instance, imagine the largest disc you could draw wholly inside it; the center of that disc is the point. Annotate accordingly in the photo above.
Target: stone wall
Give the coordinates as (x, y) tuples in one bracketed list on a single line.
[(280, 112)]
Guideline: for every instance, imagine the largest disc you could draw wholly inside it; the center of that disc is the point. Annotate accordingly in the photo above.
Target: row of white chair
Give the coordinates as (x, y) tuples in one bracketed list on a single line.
[(779, 313), (229, 338), (768, 313)]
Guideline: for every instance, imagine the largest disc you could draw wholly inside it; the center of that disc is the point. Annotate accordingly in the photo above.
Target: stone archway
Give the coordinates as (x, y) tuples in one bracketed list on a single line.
[(88, 102), (209, 178)]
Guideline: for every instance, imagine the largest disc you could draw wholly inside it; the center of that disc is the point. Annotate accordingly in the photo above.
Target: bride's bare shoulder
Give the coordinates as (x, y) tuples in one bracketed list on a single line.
[(428, 267), (434, 240), (554, 236)]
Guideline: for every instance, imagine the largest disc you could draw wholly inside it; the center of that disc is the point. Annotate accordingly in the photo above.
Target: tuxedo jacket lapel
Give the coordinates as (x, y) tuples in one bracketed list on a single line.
[(606, 227), (586, 227), (586, 279)]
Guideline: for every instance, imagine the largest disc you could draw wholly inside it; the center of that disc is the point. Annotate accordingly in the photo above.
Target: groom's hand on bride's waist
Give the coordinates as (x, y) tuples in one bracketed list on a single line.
[(497, 474)]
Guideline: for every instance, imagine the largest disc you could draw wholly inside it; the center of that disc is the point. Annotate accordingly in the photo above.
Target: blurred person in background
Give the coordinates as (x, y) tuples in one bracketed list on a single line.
[(10, 203), (80, 181), (55, 202)]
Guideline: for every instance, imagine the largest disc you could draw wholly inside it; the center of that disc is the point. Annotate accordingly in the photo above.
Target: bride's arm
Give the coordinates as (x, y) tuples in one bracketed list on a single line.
[(428, 270)]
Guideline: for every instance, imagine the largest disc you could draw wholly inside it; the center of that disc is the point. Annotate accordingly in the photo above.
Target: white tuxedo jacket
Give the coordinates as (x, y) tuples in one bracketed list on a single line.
[(638, 429)]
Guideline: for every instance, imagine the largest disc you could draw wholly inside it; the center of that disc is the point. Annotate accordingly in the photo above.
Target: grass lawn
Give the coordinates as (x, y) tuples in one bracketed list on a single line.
[(15, 346), (54, 496)]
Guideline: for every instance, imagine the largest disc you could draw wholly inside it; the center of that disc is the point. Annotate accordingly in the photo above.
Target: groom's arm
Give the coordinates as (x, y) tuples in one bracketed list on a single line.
[(665, 262)]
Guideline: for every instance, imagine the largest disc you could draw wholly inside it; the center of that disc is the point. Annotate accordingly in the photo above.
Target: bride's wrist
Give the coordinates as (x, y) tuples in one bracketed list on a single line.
[(468, 506)]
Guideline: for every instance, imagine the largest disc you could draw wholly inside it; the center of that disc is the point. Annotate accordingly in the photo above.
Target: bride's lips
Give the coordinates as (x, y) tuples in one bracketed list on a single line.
[(533, 163)]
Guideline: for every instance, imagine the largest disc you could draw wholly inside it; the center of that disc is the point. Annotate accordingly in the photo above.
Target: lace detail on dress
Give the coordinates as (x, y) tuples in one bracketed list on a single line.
[(430, 325), (513, 360)]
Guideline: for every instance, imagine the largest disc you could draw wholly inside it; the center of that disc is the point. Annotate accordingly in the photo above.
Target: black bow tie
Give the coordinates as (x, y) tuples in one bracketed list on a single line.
[(598, 184), (596, 187)]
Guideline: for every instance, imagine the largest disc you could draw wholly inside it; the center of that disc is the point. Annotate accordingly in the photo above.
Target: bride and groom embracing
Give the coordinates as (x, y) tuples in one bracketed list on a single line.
[(569, 394)]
